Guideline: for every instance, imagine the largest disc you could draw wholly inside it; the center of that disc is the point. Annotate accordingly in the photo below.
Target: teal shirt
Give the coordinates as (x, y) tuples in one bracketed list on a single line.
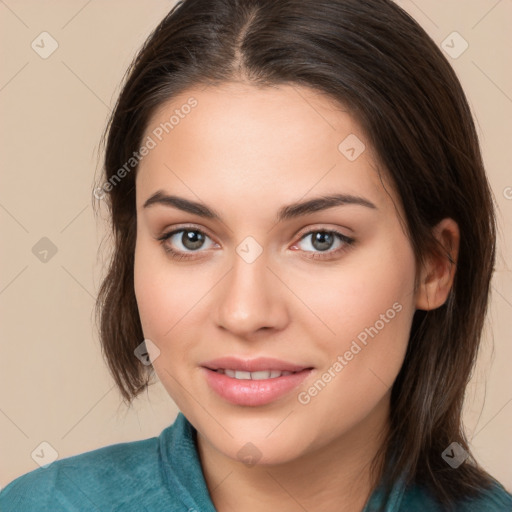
[(164, 474)]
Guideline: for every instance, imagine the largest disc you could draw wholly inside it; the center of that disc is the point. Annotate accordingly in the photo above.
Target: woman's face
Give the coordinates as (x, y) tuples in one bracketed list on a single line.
[(266, 278)]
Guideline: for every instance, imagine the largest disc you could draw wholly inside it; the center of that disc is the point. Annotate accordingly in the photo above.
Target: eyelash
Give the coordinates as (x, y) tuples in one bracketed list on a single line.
[(176, 255)]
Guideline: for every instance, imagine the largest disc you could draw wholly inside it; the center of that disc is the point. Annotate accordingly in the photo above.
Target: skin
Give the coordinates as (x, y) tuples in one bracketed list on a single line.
[(246, 152)]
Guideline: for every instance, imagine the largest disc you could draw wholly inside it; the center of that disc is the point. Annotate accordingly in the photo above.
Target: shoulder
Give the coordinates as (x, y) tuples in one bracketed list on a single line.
[(97, 480), (495, 499)]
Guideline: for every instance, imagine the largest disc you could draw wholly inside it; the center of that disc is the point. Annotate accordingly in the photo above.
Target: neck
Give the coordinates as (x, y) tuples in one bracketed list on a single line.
[(333, 478)]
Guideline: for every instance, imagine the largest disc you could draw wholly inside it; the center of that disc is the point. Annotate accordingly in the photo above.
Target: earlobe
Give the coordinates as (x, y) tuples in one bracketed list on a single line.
[(437, 275)]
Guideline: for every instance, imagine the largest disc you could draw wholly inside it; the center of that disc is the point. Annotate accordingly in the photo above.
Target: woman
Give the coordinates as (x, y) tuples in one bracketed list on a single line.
[(304, 241)]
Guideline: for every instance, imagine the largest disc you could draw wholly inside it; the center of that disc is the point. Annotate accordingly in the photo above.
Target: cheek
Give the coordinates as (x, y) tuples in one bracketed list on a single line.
[(162, 292), (171, 303), (148, 292), (365, 285), (161, 303), (369, 305), (370, 309), (157, 290)]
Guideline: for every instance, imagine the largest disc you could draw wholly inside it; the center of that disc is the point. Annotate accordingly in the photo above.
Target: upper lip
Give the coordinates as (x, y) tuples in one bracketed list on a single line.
[(252, 365)]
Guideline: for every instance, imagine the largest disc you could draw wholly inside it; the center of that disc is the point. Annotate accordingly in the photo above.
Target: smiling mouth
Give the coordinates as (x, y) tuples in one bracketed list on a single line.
[(259, 375), (254, 388)]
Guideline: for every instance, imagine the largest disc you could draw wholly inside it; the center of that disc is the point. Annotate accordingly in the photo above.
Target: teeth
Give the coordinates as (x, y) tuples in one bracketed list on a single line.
[(259, 375), (263, 374)]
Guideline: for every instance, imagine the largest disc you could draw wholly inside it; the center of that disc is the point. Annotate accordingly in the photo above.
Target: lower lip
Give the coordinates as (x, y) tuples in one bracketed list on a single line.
[(253, 392)]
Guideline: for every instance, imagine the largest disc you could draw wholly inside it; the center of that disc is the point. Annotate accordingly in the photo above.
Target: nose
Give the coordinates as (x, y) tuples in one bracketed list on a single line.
[(251, 298)]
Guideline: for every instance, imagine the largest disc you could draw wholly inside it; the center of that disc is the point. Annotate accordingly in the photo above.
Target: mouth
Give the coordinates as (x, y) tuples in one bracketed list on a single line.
[(259, 375), (253, 382), (257, 366)]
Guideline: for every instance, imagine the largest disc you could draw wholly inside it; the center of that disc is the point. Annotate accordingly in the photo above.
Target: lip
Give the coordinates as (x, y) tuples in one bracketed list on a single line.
[(253, 365), (253, 393)]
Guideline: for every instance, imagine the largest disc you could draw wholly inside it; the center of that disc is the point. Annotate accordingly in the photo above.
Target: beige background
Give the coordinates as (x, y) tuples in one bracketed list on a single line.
[(54, 384)]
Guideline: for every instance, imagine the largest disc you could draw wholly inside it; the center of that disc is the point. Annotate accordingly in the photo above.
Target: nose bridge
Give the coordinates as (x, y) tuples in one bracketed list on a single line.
[(250, 297)]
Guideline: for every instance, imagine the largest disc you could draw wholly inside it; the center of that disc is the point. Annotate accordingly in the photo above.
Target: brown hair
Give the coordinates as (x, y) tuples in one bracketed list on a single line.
[(372, 57)]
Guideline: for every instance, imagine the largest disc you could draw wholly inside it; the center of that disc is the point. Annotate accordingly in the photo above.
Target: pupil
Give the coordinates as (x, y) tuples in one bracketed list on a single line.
[(192, 239), (325, 240)]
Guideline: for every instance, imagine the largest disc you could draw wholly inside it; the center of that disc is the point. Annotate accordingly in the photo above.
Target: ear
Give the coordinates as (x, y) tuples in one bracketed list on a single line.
[(436, 277)]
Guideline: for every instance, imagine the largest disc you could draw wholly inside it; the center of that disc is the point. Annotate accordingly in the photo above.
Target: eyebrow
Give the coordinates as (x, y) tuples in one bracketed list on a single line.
[(290, 211)]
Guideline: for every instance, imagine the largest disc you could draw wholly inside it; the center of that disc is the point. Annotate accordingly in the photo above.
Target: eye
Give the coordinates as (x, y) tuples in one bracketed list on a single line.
[(323, 241), (181, 241)]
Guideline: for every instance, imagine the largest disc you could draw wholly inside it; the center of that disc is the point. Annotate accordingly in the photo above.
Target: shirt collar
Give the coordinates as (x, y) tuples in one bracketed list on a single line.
[(182, 467)]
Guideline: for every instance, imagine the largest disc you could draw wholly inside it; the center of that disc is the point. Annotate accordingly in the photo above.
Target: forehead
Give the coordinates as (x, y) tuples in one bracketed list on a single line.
[(237, 140)]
